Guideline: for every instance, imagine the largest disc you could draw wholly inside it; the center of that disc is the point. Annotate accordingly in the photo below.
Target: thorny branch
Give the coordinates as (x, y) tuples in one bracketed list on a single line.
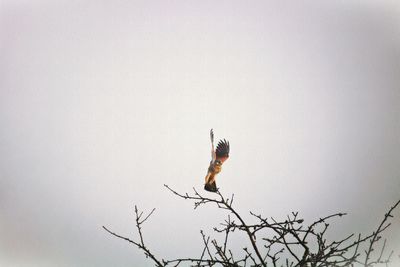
[(273, 242)]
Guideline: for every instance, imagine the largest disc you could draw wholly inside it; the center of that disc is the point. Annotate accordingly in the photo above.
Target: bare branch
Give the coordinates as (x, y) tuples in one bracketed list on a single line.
[(288, 242)]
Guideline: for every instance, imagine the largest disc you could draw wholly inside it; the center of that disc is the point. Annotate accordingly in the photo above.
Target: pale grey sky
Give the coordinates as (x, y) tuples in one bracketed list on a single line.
[(103, 102)]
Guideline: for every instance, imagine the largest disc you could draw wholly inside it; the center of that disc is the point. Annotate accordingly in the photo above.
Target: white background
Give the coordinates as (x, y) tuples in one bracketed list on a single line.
[(103, 102)]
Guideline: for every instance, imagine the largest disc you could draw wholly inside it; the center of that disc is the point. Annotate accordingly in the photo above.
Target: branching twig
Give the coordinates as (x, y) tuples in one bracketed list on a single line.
[(301, 244)]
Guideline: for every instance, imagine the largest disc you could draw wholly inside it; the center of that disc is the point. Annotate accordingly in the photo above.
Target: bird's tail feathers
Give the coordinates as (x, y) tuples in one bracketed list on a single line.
[(211, 187)]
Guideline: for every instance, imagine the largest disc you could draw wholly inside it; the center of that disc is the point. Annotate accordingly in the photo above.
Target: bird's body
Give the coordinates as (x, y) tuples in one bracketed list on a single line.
[(213, 170), (218, 157)]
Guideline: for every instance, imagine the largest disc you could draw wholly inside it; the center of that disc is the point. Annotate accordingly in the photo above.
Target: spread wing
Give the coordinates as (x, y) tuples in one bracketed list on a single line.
[(222, 151), (212, 145)]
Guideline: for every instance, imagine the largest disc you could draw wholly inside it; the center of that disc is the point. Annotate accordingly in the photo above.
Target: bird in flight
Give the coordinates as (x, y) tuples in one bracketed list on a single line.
[(218, 157)]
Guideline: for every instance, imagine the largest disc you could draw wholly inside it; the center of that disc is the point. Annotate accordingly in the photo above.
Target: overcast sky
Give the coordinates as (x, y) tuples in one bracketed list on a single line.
[(103, 102)]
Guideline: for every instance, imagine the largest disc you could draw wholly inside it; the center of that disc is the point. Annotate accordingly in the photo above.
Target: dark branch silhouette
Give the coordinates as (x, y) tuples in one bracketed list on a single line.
[(274, 242)]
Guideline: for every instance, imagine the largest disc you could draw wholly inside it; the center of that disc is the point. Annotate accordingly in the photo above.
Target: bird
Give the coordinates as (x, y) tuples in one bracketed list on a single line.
[(218, 157)]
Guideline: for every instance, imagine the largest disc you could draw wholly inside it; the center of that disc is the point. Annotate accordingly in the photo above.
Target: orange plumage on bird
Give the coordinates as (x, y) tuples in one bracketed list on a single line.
[(218, 157)]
